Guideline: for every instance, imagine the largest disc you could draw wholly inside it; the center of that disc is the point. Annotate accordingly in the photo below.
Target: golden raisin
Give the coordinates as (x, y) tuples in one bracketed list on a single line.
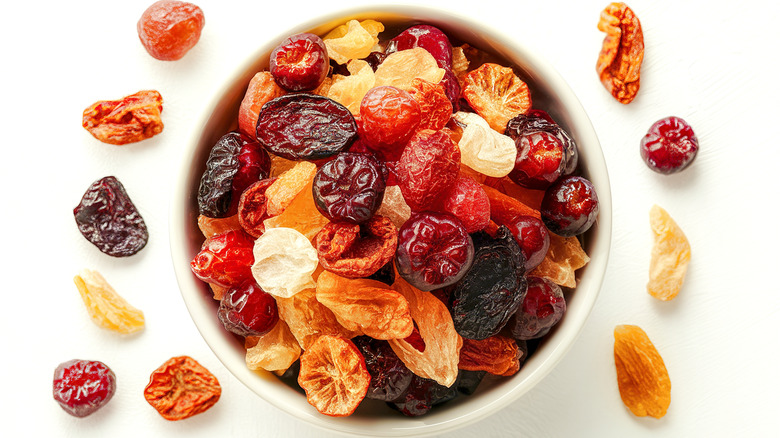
[(641, 374), (669, 258), (107, 308)]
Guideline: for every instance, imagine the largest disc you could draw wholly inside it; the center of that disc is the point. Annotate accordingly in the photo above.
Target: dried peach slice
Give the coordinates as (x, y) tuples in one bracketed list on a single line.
[(273, 351), (334, 376), (641, 374), (563, 258), (496, 94), (400, 68), (282, 192), (353, 40), (669, 258), (106, 307), (309, 319), (262, 88)]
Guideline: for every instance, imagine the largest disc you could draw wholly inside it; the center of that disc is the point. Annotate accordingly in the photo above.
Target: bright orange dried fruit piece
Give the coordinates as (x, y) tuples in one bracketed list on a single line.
[(400, 68), (460, 62), (309, 319), (641, 374), (496, 94), (272, 351), (563, 258), (128, 120), (620, 60), (181, 388), (210, 226), (435, 106), (334, 376), (504, 209), (106, 307), (280, 165), (301, 215), (218, 291), (670, 256), (282, 192), (262, 88), (498, 355), (529, 197)]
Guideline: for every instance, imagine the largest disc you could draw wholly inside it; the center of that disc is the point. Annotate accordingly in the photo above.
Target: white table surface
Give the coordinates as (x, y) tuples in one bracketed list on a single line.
[(714, 64)]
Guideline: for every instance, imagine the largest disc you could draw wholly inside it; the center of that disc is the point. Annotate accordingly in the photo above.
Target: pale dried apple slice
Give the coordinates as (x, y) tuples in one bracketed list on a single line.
[(670, 256)]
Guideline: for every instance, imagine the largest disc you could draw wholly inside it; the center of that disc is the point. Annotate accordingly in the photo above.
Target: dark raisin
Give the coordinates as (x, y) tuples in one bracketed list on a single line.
[(418, 398), (81, 387), (374, 59), (109, 220), (389, 376), (349, 188)]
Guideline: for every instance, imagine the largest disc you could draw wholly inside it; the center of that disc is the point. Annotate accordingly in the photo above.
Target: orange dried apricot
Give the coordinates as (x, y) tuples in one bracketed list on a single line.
[(282, 192), (272, 351), (498, 355), (670, 256), (212, 226), (301, 215), (496, 94), (262, 88), (641, 374)]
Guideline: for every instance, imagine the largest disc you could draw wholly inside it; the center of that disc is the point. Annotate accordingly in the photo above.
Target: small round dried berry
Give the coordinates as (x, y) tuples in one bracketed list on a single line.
[(542, 308), (349, 188), (669, 145), (388, 118), (247, 310), (533, 237), (540, 160), (168, 29), (300, 62), (434, 250), (467, 201), (570, 206), (81, 387), (429, 166), (539, 120), (429, 38)]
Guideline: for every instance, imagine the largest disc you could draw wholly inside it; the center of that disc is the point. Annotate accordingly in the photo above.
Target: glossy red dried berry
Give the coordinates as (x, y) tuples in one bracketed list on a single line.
[(81, 387), (300, 62), (225, 259), (467, 201), (669, 145), (349, 188), (429, 38), (536, 122), (428, 167), (533, 238), (542, 308), (388, 118), (247, 310), (168, 29), (570, 206), (109, 220), (253, 207)]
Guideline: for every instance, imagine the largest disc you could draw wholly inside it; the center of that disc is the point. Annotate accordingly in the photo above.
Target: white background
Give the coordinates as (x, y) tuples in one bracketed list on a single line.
[(715, 65)]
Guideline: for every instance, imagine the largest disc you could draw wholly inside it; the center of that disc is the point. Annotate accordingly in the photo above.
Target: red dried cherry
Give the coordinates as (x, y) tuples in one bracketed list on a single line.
[(225, 259), (81, 387), (570, 206), (669, 145), (542, 308), (428, 167), (429, 38), (168, 29), (247, 310), (388, 118), (533, 238), (467, 201), (539, 121), (349, 188), (540, 160), (300, 62), (389, 376)]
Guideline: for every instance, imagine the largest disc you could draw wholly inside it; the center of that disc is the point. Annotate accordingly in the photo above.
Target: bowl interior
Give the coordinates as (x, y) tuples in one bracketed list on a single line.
[(549, 92)]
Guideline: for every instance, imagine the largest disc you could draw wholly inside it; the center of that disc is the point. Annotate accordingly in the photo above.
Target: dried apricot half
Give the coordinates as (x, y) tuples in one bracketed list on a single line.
[(496, 94), (670, 256), (641, 374)]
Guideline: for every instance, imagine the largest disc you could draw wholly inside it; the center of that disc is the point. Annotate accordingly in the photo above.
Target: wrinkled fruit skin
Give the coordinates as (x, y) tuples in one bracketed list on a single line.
[(225, 259), (168, 29), (467, 201), (429, 38), (620, 60), (253, 207), (389, 376), (492, 290), (542, 308), (355, 251), (538, 123), (349, 188), (109, 220), (451, 88), (300, 62), (533, 238), (428, 167), (570, 206), (388, 118), (128, 120), (642, 378), (669, 145), (434, 250), (247, 310), (81, 387), (181, 388)]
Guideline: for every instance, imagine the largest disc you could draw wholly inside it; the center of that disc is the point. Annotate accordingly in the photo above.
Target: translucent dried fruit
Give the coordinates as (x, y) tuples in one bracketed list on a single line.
[(641, 374), (247, 310), (498, 355), (181, 388), (334, 376), (168, 29), (563, 258), (670, 256), (542, 308), (389, 376), (253, 207), (106, 307), (81, 387), (224, 259), (365, 306), (108, 219), (496, 94), (284, 261), (622, 51), (429, 38), (394, 206), (435, 106), (308, 319), (349, 188), (429, 165), (287, 186), (350, 90), (300, 62), (131, 119), (357, 250), (389, 117), (460, 62), (504, 209), (439, 360), (669, 146), (261, 90), (353, 40), (210, 226), (483, 149), (275, 350), (301, 215), (467, 201), (570, 206), (400, 68)]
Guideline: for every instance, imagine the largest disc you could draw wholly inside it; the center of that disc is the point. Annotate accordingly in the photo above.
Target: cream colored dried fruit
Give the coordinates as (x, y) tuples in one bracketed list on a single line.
[(276, 350), (483, 149), (353, 40), (670, 256), (106, 307), (394, 206), (284, 262), (349, 90), (399, 68), (642, 377)]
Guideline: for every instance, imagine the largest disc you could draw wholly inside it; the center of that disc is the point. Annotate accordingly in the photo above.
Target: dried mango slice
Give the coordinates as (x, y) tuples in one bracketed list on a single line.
[(483, 149), (399, 68), (669, 258), (282, 192), (353, 40), (496, 94), (106, 307), (563, 258), (284, 262), (349, 90), (301, 215), (273, 351), (641, 374), (309, 319)]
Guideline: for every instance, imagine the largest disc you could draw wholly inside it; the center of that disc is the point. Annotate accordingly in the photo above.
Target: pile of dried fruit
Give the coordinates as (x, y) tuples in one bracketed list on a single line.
[(393, 220)]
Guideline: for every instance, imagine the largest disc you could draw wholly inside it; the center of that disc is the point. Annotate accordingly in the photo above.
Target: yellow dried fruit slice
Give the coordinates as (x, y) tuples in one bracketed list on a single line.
[(282, 192), (642, 377), (213, 226), (106, 307), (353, 40), (670, 256), (460, 63), (399, 68), (563, 258), (349, 90), (272, 351)]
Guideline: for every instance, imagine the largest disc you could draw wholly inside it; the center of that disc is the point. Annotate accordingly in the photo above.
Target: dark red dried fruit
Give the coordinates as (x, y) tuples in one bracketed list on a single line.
[(423, 394), (533, 237), (349, 188), (109, 220), (388, 118), (451, 88), (247, 310), (542, 308), (252, 207), (570, 206), (428, 167), (385, 274), (467, 201), (81, 387), (225, 259), (300, 62), (389, 376), (536, 121), (355, 251), (305, 127), (669, 145), (168, 29), (434, 250), (254, 164), (540, 160), (429, 38)]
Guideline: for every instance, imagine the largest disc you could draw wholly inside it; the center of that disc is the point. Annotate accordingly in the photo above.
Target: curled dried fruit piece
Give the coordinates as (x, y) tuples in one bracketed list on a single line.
[(253, 207), (168, 29), (282, 192), (131, 119), (284, 260), (399, 69), (498, 355), (564, 256), (496, 94), (106, 307), (389, 117), (181, 388), (429, 165), (484, 149), (641, 374), (670, 256), (622, 51), (350, 90), (435, 106), (353, 40), (301, 215), (276, 350), (308, 319), (357, 250), (262, 89)]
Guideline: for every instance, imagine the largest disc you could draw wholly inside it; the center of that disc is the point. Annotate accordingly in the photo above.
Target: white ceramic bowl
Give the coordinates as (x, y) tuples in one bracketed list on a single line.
[(549, 92)]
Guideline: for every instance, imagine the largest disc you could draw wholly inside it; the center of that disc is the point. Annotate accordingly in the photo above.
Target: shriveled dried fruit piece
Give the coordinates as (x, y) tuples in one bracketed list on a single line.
[(282, 192), (81, 387), (300, 62), (460, 62), (357, 250), (435, 106), (247, 310), (622, 51), (389, 376), (353, 40), (484, 149), (498, 355), (529, 197), (394, 206), (389, 117), (496, 94), (224, 259), (334, 376), (276, 350), (563, 258), (181, 388), (212, 226), (349, 187), (641, 374), (504, 209), (262, 89), (429, 166), (400, 68), (542, 308), (253, 207), (168, 29), (670, 256), (284, 260), (301, 215), (308, 319), (133, 118), (106, 307), (281, 165), (429, 38), (349, 90), (365, 306)]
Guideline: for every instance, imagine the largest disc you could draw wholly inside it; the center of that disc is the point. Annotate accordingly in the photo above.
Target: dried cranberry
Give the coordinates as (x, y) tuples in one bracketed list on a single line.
[(467, 201), (305, 127), (109, 220), (669, 145), (300, 62), (389, 376), (225, 259), (533, 237), (451, 88), (247, 310), (254, 164), (540, 160), (539, 121), (570, 206), (428, 167), (388, 118), (349, 188), (429, 38), (434, 250), (81, 387), (421, 395), (416, 340), (542, 308)]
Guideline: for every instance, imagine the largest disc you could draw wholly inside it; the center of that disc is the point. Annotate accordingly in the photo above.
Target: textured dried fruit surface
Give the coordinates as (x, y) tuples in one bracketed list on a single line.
[(168, 29), (394, 206), (334, 376), (301, 215), (669, 145), (435, 106), (642, 377), (352, 40), (309, 319), (389, 376), (563, 258), (670, 256), (622, 51), (429, 38), (498, 355), (262, 89), (181, 388), (247, 310), (570, 206), (224, 259), (81, 387), (350, 90), (389, 117), (533, 238), (349, 188), (284, 261), (483, 149), (300, 62), (106, 307), (542, 308), (554, 149), (275, 350), (210, 226), (504, 209), (131, 119), (467, 201), (399, 69), (287, 186), (109, 220), (429, 165), (253, 207), (496, 94), (357, 250)]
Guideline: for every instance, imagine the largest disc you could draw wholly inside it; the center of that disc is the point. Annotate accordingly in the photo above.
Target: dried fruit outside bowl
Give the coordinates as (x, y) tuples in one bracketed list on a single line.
[(550, 92)]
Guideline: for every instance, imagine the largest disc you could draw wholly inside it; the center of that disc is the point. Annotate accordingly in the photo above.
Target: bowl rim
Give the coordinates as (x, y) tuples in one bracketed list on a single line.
[(594, 275)]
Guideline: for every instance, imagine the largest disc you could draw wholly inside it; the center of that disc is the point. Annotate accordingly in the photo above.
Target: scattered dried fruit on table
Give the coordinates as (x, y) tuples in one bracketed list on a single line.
[(81, 387), (284, 261), (563, 258), (275, 350), (429, 166), (300, 62), (669, 145), (622, 51), (308, 319), (642, 377), (352, 40), (670, 256), (483, 149), (109, 220), (542, 308), (498, 355), (106, 307), (131, 119), (496, 94), (181, 388), (168, 29), (224, 259), (356, 250), (349, 188), (400, 68), (261, 89)]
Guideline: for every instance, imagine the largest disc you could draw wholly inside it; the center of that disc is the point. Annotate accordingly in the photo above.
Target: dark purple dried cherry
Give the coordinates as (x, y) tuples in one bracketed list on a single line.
[(389, 376), (542, 308), (669, 145), (248, 310), (81, 387), (570, 206), (429, 38), (300, 62), (349, 188), (539, 121)]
